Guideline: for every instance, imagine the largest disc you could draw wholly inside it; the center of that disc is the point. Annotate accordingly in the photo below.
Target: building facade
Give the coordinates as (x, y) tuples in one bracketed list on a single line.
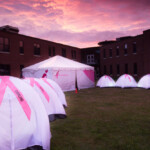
[(18, 51), (130, 55), (126, 55)]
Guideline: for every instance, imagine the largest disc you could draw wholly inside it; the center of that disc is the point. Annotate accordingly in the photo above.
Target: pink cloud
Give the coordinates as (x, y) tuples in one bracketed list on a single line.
[(80, 23)]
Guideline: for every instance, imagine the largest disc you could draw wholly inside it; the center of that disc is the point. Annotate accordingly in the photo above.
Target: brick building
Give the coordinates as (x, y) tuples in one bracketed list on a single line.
[(126, 55), (18, 51), (129, 54)]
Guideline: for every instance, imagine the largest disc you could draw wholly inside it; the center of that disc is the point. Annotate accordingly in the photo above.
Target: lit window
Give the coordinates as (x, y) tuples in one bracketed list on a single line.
[(90, 59)]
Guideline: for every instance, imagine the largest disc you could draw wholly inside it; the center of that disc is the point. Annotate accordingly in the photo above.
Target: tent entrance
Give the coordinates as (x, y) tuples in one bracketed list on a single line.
[(76, 83)]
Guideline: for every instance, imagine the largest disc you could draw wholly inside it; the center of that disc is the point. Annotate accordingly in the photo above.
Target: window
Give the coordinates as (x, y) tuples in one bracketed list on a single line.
[(73, 54), (21, 48), (4, 44), (53, 51), (125, 49), (111, 70), (4, 69), (117, 51), (126, 69), (134, 48), (49, 51), (63, 52), (105, 71), (21, 67), (90, 59), (36, 49), (135, 68), (118, 69), (104, 53), (110, 52)]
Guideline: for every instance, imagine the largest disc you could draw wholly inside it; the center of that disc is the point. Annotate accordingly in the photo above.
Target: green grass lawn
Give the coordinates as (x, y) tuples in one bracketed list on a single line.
[(104, 119)]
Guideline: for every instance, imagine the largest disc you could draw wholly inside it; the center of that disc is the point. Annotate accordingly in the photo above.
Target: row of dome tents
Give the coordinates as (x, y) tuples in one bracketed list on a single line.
[(24, 109), (68, 74), (124, 81)]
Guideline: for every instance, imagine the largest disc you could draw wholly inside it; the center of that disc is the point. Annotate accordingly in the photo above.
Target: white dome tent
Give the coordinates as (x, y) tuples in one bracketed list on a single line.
[(126, 81), (63, 71), (144, 82), (57, 89), (53, 105), (24, 121), (106, 81)]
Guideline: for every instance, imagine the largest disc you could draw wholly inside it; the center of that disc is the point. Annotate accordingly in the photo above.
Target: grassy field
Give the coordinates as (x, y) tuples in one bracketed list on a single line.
[(104, 119)]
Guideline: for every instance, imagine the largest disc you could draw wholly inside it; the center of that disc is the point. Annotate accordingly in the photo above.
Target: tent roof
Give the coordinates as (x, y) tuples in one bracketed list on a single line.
[(59, 62)]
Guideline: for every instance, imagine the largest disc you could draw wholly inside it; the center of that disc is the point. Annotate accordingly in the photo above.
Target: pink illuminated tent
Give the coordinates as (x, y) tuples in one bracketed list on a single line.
[(106, 81), (57, 89), (67, 73), (126, 81), (144, 82), (24, 122), (49, 98)]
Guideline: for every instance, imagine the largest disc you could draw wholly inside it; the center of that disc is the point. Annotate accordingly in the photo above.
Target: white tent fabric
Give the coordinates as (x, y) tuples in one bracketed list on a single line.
[(64, 71), (126, 81), (49, 98), (57, 89), (106, 81), (85, 79), (24, 121), (144, 82)]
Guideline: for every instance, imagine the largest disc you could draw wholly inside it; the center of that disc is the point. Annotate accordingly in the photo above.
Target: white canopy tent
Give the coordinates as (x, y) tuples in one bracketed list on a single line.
[(67, 73), (126, 81), (144, 82), (106, 81)]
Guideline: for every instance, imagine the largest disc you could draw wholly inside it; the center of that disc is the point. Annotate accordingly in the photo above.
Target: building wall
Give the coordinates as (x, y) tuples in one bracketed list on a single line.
[(146, 48), (123, 60), (17, 60)]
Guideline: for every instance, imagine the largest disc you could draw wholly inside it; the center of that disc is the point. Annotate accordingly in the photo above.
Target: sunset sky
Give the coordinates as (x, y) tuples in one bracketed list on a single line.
[(79, 23)]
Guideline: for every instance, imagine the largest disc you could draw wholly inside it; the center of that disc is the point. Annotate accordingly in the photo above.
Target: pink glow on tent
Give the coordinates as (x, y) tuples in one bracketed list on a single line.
[(108, 77), (128, 77), (89, 74)]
